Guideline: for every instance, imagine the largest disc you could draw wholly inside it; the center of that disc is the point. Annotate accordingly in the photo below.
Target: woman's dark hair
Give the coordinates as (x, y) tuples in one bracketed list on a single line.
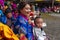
[(8, 10), (36, 18), (21, 6)]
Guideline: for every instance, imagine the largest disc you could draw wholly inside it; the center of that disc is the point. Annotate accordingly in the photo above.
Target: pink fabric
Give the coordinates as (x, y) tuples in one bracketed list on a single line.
[(2, 2), (14, 15), (14, 5), (24, 16)]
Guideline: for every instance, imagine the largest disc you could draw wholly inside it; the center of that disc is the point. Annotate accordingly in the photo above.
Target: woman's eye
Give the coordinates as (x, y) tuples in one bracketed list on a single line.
[(27, 8)]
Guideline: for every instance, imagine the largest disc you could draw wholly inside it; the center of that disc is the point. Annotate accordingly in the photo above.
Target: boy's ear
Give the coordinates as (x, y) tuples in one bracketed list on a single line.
[(44, 25)]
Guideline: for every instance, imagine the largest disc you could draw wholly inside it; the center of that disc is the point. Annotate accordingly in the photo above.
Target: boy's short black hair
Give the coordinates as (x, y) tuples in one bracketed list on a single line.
[(8, 10), (36, 18)]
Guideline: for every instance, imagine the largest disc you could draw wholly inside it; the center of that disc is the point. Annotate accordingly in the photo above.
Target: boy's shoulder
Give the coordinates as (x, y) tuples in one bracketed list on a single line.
[(36, 28)]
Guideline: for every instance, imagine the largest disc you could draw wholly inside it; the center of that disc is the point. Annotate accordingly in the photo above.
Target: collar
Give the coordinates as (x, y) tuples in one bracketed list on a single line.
[(24, 16)]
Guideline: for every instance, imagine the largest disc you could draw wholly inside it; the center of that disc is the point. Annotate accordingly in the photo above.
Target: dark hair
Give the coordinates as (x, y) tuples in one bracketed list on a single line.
[(14, 10), (21, 6), (0, 6), (5, 4), (8, 10), (36, 18)]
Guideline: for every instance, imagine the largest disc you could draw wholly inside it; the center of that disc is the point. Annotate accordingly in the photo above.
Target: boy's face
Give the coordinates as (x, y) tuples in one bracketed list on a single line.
[(39, 22), (9, 15)]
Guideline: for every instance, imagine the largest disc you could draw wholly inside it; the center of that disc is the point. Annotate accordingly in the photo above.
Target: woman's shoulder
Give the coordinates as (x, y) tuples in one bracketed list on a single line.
[(20, 18)]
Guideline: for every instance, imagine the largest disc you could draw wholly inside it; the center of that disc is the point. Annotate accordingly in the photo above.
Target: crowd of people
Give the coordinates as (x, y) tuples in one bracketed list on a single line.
[(55, 9), (16, 23)]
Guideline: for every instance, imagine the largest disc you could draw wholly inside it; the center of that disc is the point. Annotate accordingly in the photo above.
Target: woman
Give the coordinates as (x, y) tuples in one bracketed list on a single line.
[(22, 21)]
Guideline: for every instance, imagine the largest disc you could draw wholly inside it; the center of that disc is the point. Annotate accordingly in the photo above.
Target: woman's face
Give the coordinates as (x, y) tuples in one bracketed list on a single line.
[(26, 10)]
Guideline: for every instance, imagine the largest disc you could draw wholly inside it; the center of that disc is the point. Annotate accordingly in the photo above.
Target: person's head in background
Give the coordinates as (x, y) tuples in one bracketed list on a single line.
[(8, 13), (38, 21), (15, 13), (15, 10), (24, 8), (5, 6)]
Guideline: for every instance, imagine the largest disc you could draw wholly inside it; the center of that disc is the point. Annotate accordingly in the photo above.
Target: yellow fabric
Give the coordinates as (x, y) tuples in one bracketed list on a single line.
[(7, 33)]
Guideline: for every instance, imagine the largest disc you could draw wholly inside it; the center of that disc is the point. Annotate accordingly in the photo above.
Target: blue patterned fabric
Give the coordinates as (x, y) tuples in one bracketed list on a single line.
[(24, 27), (2, 17)]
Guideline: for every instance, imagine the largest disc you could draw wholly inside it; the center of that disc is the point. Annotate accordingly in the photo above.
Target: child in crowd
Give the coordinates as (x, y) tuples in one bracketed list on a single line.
[(8, 15), (9, 20), (38, 31)]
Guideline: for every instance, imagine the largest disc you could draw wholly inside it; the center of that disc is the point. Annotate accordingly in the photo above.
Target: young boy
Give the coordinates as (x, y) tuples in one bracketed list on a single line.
[(38, 31), (8, 15)]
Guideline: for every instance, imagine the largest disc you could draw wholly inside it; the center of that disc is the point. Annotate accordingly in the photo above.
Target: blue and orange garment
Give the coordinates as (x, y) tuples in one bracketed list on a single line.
[(2, 17), (24, 27), (6, 33), (22, 37)]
